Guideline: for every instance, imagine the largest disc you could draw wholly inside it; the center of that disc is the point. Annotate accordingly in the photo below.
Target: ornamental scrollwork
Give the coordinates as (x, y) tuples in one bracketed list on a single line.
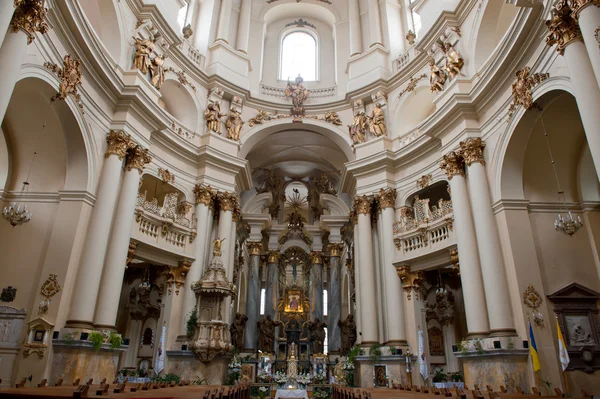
[(563, 26), (49, 289), (118, 143), (412, 282), (204, 194), (386, 198), (137, 158), (471, 150), (70, 79), (452, 164), (29, 17), (522, 89)]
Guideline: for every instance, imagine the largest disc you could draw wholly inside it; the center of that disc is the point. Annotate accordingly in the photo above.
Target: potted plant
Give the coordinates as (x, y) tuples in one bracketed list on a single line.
[(262, 392)]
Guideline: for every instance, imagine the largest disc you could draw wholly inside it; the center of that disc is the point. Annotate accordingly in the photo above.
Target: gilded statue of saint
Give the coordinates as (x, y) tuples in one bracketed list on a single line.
[(213, 116), (437, 77), (297, 92), (358, 128), (141, 58), (157, 71), (234, 124), (454, 62), (217, 246), (377, 119)]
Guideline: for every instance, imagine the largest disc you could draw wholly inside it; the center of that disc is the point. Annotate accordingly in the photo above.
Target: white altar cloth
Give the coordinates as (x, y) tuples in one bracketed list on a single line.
[(291, 393)]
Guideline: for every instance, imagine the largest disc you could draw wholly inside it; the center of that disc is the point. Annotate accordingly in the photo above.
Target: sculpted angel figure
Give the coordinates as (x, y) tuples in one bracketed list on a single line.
[(521, 89), (297, 92), (217, 243), (141, 58), (157, 70), (437, 77), (358, 127), (454, 62), (234, 124), (212, 116), (333, 117), (377, 119)]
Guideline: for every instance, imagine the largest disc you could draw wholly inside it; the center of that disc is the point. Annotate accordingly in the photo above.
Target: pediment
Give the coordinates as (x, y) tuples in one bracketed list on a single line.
[(574, 291)]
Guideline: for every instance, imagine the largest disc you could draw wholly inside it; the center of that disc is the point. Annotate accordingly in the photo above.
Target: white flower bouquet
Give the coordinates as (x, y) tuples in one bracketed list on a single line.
[(281, 378)]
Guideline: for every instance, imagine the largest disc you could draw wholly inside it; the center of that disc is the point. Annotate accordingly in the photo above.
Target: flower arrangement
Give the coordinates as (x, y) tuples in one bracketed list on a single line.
[(321, 394), (281, 378), (304, 378), (235, 362), (348, 366), (262, 392), (263, 376), (320, 377)]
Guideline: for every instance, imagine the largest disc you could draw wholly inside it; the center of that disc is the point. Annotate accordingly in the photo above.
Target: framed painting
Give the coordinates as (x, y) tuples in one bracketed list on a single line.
[(294, 301)]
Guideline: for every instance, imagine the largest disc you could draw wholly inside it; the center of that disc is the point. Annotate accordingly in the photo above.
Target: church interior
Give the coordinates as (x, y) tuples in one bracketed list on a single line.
[(327, 199)]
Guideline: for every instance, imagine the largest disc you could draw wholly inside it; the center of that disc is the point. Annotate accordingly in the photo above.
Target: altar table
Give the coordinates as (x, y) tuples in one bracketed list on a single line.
[(291, 393)]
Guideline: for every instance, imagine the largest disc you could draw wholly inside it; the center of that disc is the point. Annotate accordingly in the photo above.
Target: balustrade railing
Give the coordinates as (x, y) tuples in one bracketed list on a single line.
[(314, 93)]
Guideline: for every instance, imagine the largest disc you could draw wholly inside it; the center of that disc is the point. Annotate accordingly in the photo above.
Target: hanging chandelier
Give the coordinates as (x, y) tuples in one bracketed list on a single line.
[(568, 225), (145, 284), (17, 214)]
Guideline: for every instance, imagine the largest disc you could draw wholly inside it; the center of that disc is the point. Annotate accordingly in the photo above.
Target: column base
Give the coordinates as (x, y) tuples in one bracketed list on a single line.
[(104, 327), (88, 325), (507, 367), (79, 359), (478, 334), (186, 365), (401, 342), (503, 332)]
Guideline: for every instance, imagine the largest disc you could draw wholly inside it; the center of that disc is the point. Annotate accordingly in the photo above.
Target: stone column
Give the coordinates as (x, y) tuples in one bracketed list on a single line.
[(27, 19), (271, 290), (564, 31), (243, 32), (366, 272), (396, 329), (224, 21), (492, 264), (334, 297), (356, 260), (7, 9), (204, 201), (588, 16), (470, 270), (316, 283), (107, 305), (374, 23), (354, 27), (253, 298), (85, 292)]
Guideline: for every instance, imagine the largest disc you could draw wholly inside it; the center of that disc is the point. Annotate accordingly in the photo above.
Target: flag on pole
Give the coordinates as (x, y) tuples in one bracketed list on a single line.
[(159, 363), (423, 369), (562, 349), (535, 359)]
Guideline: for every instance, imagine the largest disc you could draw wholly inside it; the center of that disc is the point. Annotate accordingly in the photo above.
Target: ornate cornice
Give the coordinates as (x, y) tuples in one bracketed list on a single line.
[(563, 27), (176, 275), (30, 17), (316, 257), (335, 249), (452, 164), (471, 150), (412, 282), (387, 198), (204, 194), (254, 247), (273, 256), (362, 205), (137, 158), (118, 143), (228, 201)]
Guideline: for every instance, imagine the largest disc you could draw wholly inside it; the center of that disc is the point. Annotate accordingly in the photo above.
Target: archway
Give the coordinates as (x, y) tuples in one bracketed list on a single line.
[(104, 19)]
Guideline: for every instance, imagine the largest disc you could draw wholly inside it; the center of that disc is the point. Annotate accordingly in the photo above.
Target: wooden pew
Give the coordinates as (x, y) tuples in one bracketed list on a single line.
[(586, 394), (76, 382), (536, 391), (477, 394), (502, 389), (559, 393), (102, 390), (120, 388), (81, 391), (21, 384), (135, 388), (59, 382), (43, 383)]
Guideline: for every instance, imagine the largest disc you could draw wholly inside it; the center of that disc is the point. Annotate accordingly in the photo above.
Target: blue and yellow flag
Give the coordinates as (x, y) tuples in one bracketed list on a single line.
[(535, 359)]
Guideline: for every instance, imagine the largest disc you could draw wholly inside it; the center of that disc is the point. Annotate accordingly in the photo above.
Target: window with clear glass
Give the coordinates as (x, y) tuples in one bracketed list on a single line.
[(416, 22), (262, 301), (325, 345), (324, 302), (182, 14), (298, 57)]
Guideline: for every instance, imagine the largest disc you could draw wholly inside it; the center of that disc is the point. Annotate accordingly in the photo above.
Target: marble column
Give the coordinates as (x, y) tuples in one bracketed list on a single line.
[(588, 16), (224, 21), (470, 270), (396, 329), (85, 292), (107, 305), (243, 33), (375, 36), (354, 27), (492, 264), (204, 200), (272, 283), (334, 297), (253, 295), (356, 260), (366, 272), (316, 283), (27, 19), (565, 33)]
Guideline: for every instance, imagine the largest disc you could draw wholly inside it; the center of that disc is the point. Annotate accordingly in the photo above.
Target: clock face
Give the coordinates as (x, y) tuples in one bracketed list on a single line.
[(586, 356)]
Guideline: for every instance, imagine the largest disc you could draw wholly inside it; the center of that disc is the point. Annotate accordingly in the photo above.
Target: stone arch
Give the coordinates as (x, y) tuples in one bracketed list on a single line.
[(106, 20), (180, 103), (295, 242)]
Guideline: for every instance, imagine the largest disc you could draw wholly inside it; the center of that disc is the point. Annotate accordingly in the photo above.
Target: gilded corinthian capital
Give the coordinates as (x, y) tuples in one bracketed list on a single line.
[(137, 158), (254, 247), (273, 256), (452, 164), (563, 27), (362, 205), (335, 249), (118, 143), (30, 17), (471, 150), (227, 201), (578, 5), (387, 198), (316, 257), (204, 194)]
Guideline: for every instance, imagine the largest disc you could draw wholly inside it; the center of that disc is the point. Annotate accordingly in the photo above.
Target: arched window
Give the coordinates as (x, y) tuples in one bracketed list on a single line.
[(298, 56), (324, 302), (182, 14), (262, 301)]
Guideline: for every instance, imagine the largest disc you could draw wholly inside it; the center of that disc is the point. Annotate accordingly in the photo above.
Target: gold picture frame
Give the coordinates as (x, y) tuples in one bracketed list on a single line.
[(294, 301)]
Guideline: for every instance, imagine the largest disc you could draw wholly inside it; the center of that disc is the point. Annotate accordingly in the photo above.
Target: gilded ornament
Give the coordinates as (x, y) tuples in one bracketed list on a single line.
[(166, 176), (358, 128), (157, 71), (362, 205), (176, 275), (70, 79), (454, 61), (578, 5), (49, 289), (412, 282), (387, 198), (204, 194), (410, 36), (452, 164), (261, 117), (234, 124), (456, 29), (273, 256), (137, 158), (30, 17), (454, 257), (316, 257), (298, 94), (118, 143), (187, 31), (217, 243), (533, 300), (335, 249), (333, 118), (522, 89), (437, 77), (300, 23), (254, 247), (227, 201), (182, 78), (424, 181), (212, 116), (377, 121), (412, 84), (353, 217), (563, 27), (141, 58), (471, 150)]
